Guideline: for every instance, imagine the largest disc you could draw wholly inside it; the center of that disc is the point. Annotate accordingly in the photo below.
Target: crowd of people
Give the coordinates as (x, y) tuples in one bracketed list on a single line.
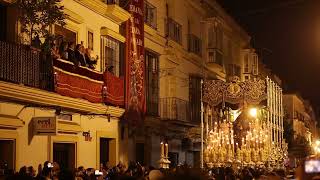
[(52, 171), (77, 54), (136, 171)]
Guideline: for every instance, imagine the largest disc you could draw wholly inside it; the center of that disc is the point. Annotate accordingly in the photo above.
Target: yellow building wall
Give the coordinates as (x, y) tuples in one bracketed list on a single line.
[(40, 148)]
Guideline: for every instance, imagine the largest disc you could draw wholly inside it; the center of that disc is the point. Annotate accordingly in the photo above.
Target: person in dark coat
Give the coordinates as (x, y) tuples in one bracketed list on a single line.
[(71, 54), (79, 55)]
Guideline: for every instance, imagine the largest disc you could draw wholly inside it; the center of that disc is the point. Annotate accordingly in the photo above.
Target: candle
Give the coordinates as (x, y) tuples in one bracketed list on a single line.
[(167, 150), (162, 149)]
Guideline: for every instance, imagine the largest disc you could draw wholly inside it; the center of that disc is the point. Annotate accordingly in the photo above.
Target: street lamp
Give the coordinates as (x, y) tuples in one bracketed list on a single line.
[(253, 112), (317, 147)]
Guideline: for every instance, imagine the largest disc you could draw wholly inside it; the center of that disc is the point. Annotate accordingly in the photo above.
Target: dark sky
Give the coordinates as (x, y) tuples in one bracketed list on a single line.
[(290, 29)]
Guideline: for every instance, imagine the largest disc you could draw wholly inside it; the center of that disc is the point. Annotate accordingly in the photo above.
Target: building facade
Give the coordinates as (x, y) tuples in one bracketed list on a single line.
[(185, 41), (84, 128), (301, 116)]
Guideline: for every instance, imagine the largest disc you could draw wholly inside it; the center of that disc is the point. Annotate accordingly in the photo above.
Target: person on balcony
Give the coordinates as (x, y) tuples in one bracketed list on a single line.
[(79, 54), (91, 62), (64, 50), (71, 54), (54, 51)]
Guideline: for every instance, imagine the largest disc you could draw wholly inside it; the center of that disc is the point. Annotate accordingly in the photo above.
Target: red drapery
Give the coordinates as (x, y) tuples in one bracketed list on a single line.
[(135, 66), (75, 86), (114, 92)]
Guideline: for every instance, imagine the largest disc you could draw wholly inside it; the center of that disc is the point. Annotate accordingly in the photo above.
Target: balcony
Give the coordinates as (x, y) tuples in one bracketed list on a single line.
[(194, 44), (174, 109), (174, 30), (214, 61), (22, 65)]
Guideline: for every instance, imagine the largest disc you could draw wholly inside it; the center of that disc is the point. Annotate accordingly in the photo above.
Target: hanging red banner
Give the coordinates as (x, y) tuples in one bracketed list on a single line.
[(135, 83)]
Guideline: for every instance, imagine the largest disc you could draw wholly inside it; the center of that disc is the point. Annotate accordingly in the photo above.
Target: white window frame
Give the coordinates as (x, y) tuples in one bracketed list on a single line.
[(109, 42)]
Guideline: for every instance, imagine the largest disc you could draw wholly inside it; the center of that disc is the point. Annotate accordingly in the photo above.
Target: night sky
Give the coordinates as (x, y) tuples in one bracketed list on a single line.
[(286, 34)]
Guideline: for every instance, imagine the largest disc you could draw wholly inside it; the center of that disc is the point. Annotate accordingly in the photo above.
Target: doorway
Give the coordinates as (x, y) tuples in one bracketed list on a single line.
[(3, 22), (104, 150), (140, 153), (174, 159), (7, 157), (65, 155)]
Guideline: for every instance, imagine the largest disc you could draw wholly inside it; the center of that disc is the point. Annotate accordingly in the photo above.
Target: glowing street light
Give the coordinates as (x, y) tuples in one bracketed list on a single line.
[(253, 112), (317, 147)]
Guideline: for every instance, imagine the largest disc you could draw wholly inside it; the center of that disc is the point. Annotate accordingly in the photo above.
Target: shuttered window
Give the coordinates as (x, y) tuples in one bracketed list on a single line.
[(152, 82), (195, 99)]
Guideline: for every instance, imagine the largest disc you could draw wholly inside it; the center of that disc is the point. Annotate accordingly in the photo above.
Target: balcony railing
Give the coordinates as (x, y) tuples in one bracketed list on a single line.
[(194, 44), (215, 56), (21, 65), (150, 15), (112, 1), (174, 30), (174, 109), (121, 3)]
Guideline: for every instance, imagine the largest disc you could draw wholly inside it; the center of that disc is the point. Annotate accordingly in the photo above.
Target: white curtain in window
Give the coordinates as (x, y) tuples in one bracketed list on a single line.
[(110, 54)]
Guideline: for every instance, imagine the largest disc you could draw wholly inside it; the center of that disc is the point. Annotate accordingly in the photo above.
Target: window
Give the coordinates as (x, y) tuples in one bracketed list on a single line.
[(152, 82), (215, 37), (246, 63), (150, 15), (65, 117), (215, 56), (195, 97), (90, 40), (233, 70), (66, 34), (255, 65), (110, 55), (174, 30), (111, 1), (194, 44)]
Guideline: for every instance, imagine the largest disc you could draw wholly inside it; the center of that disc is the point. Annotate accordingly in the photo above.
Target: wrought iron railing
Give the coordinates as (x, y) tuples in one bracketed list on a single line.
[(22, 65), (111, 1), (215, 56), (174, 109), (174, 30), (150, 15), (152, 108), (194, 44)]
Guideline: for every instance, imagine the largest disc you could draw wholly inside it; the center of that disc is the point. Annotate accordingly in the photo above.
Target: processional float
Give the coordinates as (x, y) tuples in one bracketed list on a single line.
[(242, 123)]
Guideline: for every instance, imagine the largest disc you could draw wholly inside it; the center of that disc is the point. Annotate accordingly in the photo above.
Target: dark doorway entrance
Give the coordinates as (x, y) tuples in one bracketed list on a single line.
[(7, 157), (64, 154), (174, 158), (196, 159), (3, 22), (140, 153), (104, 150)]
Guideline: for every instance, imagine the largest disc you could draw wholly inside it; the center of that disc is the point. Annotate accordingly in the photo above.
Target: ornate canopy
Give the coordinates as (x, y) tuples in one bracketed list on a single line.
[(251, 91)]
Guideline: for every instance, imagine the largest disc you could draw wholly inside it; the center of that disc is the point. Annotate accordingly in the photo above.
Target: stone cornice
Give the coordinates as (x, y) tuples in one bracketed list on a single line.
[(113, 34), (10, 91), (10, 122), (112, 12), (72, 16)]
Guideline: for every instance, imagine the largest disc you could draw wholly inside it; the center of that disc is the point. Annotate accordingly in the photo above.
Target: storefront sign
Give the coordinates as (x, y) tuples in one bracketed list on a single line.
[(44, 126), (87, 136), (135, 70)]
